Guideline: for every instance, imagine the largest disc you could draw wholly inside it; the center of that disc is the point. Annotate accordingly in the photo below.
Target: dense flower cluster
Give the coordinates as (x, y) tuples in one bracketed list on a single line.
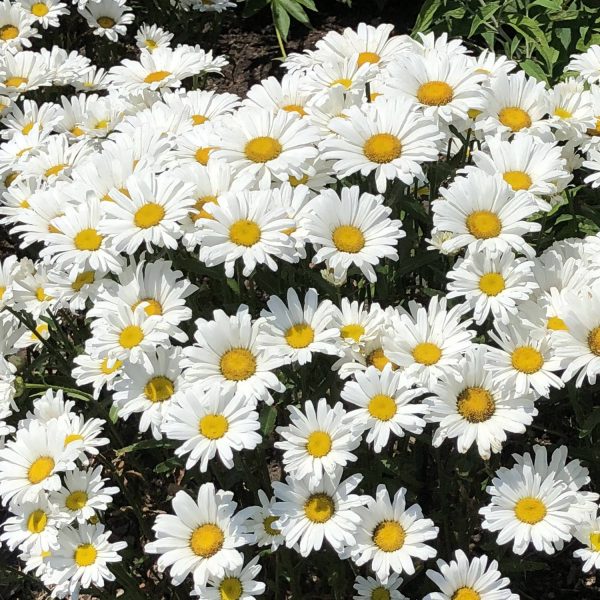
[(126, 188)]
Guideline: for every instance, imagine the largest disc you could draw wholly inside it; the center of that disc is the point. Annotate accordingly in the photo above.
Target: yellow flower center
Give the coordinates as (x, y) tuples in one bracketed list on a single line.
[(262, 149), (76, 500), (230, 589), (244, 233), (596, 129), (105, 22), (389, 536), (85, 555), (213, 427), (77, 131), (55, 170), (152, 308), (148, 215), (319, 508), (27, 128), (483, 224), (475, 404), (368, 57), (593, 340), (295, 182), (41, 295), (514, 118), (378, 360), (40, 468), (199, 207), (382, 407), (15, 81), (343, 81), (426, 353), (82, 279), (151, 44), (466, 593), (300, 335), (473, 113), (24, 204), (518, 180), (380, 593), (491, 284), (36, 521), (556, 324), (199, 119), (72, 437), (202, 155), (562, 113), (159, 389), (104, 368), (595, 541), (88, 239), (435, 93), (268, 525), (348, 238), (382, 148), (8, 32), (237, 364), (353, 331), (207, 540), (156, 76), (318, 444), (527, 359), (294, 108), (131, 336), (2, 291), (530, 510)]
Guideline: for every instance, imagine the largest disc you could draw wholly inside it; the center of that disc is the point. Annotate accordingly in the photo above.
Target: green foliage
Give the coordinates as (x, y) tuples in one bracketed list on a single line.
[(540, 34), (283, 12)]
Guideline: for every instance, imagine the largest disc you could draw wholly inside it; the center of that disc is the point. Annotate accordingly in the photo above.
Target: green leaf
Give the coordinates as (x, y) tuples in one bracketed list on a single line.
[(308, 4), (281, 19), (533, 69), (293, 8), (550, 4), (144, 445), (268, 417), (427, 15), (113, 414)]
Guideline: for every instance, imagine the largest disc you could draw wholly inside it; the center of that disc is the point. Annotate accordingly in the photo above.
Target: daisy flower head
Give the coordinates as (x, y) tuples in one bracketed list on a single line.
[(588, 533), (570, 110), (83, 495), (483, 211), (352, 229), (285, 94), (390, 137), (327, 106), (345, 74), (427, 343), (23, 72), (227, 354), (464, 579), (295, 330), (149, 388), (150, 213), (108, 18), (371, 588), (238, 583), (245, 225), (267, 144), (262, 523), (202, 537), (477, 408), (16, 27), (513, 103), (523, 362), (529, 507), (318, 442), (31, 462), (211, 423), (491, 283), (391, 535), (99, 372), (491, 64), (385, 405), (357, 324), (445, 88), (587, 65), (204, 106), (310, 513), (45, 12), (151, 37), (430, 43), (83, 557)]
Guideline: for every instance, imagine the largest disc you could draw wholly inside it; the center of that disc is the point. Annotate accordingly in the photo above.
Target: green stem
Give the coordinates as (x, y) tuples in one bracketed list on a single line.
[(280, 42)]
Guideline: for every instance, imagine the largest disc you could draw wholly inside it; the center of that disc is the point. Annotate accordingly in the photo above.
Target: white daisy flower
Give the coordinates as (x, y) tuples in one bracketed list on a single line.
[(391, 535), (45, 12), (226, 354), (202, 537), (204, 106), (352, 229), (357, 325), (370, 588), (588, 533), (570, 110), (385, 404), (310, 513), (346, 74), (108, 18), (23, 72), (279, 94), (493, 283), (151, 37), (461, 579), (390, 137), (483, 210), (263, 524), (99, 372), (211, 422), (82, 433), (318, 442), (16, 27), (294, 331), (587, 64), (477, 408)]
